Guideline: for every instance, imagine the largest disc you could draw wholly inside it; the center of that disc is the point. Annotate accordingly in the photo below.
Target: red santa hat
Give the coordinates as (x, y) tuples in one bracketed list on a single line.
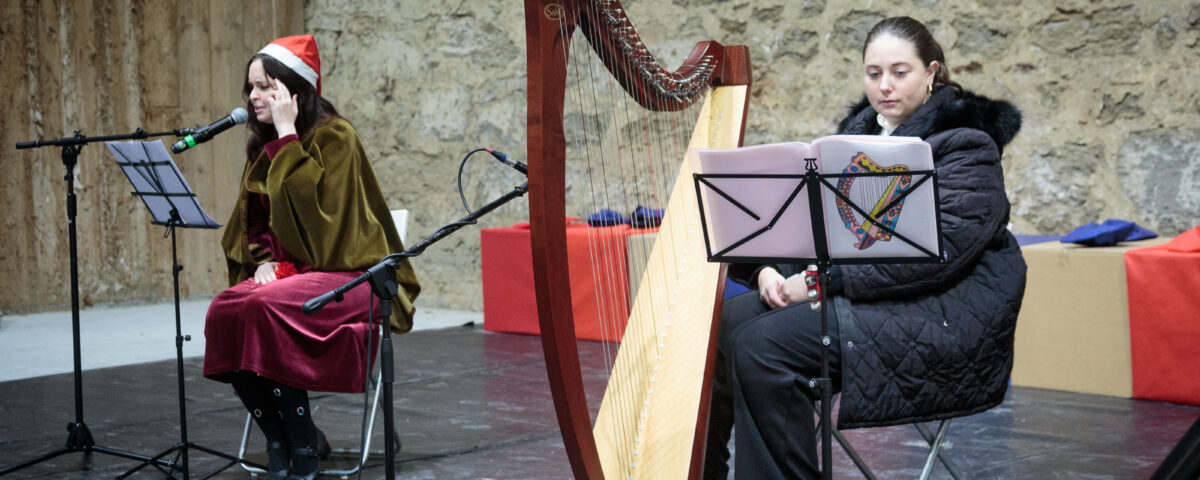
[(299, 53)]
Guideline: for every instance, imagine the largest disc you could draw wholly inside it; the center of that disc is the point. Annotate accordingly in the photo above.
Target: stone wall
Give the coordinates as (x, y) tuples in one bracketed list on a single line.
[(1110, 92), (1109, 88)]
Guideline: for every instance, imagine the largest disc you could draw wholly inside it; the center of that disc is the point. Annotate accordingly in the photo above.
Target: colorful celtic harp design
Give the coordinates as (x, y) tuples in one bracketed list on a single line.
[(882, 190)]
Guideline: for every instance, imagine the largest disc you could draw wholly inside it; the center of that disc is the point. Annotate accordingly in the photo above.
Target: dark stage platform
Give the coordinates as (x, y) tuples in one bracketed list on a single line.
[(475, 405)]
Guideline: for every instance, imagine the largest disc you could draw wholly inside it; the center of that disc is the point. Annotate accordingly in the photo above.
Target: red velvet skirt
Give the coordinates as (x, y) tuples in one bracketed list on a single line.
[(260, 328)]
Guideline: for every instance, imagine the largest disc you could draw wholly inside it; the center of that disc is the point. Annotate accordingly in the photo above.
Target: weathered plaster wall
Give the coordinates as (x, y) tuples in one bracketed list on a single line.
[(105, 68), (1110, 91)]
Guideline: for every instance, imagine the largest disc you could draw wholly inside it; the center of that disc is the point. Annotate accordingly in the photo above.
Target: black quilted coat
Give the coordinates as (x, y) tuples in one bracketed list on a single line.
[(927, 342)]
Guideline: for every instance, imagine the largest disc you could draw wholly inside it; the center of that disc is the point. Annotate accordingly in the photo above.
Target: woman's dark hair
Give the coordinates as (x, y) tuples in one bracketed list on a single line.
[(907, 28), (314, 110)]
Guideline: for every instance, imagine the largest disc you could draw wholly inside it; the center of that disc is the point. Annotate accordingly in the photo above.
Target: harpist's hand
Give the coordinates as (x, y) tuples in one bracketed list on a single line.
[(770, 287), (794, 289), (265, 272)]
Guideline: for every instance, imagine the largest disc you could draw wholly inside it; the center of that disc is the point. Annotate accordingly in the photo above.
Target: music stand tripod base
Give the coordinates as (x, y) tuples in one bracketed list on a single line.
[(79, 437)]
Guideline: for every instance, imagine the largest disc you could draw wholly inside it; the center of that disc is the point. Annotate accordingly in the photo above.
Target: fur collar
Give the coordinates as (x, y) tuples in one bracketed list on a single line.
[(947, 109)]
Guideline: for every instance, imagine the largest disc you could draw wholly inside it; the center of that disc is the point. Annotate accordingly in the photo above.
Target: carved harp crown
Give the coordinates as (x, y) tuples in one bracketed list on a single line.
[(652, 420)]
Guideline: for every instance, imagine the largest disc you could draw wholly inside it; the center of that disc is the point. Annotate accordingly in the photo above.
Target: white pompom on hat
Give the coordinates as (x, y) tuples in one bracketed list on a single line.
[(299, 53)]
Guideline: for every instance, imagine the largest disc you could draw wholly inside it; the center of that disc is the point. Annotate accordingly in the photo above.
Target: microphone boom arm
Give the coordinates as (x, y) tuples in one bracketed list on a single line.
[(382, 277), (79, 139), (388, 263)]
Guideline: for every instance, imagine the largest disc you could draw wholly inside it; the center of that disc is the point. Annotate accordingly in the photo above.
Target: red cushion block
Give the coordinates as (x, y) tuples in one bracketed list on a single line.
[(599, 289), (1164, 319)]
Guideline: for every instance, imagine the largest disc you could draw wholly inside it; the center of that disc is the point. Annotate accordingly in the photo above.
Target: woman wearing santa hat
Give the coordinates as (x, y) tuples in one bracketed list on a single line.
[(309, 217)]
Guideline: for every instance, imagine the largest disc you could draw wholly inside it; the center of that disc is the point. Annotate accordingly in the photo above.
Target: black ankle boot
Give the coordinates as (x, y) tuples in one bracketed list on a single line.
[(278, 461), (324, 448), (256, 395), (308, 459), (307, 456)]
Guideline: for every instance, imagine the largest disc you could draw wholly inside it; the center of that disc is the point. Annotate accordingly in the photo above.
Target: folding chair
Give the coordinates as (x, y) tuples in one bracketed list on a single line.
[(371, 397), (935, 441), (363, 452), (936, 453)]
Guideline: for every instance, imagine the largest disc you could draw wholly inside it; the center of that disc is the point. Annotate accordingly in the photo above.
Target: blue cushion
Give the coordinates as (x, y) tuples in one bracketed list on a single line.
[(1108, 232), (733, 289), (644, 217), (606, 218)]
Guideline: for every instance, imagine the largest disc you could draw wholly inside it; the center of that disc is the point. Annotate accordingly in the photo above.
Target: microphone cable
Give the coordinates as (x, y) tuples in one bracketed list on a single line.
[(499, 156), (461, 166)]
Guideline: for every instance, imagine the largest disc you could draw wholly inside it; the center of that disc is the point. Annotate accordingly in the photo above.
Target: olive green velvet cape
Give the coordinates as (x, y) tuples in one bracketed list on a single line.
[(326, 209)]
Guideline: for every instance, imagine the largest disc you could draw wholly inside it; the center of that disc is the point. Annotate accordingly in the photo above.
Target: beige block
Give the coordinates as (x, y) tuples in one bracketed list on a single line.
[(1073, 329), (638, 248)]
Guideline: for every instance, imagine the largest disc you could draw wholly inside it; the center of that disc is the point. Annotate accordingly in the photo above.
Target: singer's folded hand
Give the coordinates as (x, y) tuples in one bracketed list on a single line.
[(265, 273)]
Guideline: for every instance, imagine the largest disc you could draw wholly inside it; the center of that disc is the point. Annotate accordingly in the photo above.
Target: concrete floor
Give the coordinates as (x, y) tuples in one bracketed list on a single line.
[(472, 404), (128, 334)]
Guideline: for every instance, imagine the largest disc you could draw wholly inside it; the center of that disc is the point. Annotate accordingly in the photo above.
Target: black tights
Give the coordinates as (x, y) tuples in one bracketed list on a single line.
[(283, 415)]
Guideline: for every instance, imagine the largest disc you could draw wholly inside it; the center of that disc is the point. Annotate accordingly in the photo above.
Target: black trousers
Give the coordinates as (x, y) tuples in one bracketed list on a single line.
[(765, 360)]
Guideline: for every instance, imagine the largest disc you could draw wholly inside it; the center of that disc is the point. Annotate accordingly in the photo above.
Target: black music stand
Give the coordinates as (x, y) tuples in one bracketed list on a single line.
[(162, 188), (79, 436), (812, 245)]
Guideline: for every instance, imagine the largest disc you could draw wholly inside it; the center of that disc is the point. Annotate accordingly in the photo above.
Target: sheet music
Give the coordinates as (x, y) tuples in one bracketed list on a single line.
[(159, 183), (762, 196), (917, 218), (882, 184)]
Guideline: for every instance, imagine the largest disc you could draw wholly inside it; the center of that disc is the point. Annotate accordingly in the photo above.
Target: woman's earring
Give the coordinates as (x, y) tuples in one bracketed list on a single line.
[(931, 88)]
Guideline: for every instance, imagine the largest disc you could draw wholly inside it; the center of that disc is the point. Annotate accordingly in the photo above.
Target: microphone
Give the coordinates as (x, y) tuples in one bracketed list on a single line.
[(503, 158), (237, 117)]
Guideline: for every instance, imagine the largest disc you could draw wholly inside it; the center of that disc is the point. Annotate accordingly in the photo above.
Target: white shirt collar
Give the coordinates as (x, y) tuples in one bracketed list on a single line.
[(887, 128)]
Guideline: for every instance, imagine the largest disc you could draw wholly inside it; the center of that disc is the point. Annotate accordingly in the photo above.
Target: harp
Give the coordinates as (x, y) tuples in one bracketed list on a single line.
[(652, 419)]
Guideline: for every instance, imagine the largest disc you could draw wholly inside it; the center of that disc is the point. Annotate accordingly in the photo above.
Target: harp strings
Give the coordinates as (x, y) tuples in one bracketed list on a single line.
[(619, 156), (586, 148)]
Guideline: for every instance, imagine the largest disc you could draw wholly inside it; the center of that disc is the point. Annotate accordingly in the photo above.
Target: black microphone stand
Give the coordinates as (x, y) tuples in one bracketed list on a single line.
[(382, 277), (79, 437)]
